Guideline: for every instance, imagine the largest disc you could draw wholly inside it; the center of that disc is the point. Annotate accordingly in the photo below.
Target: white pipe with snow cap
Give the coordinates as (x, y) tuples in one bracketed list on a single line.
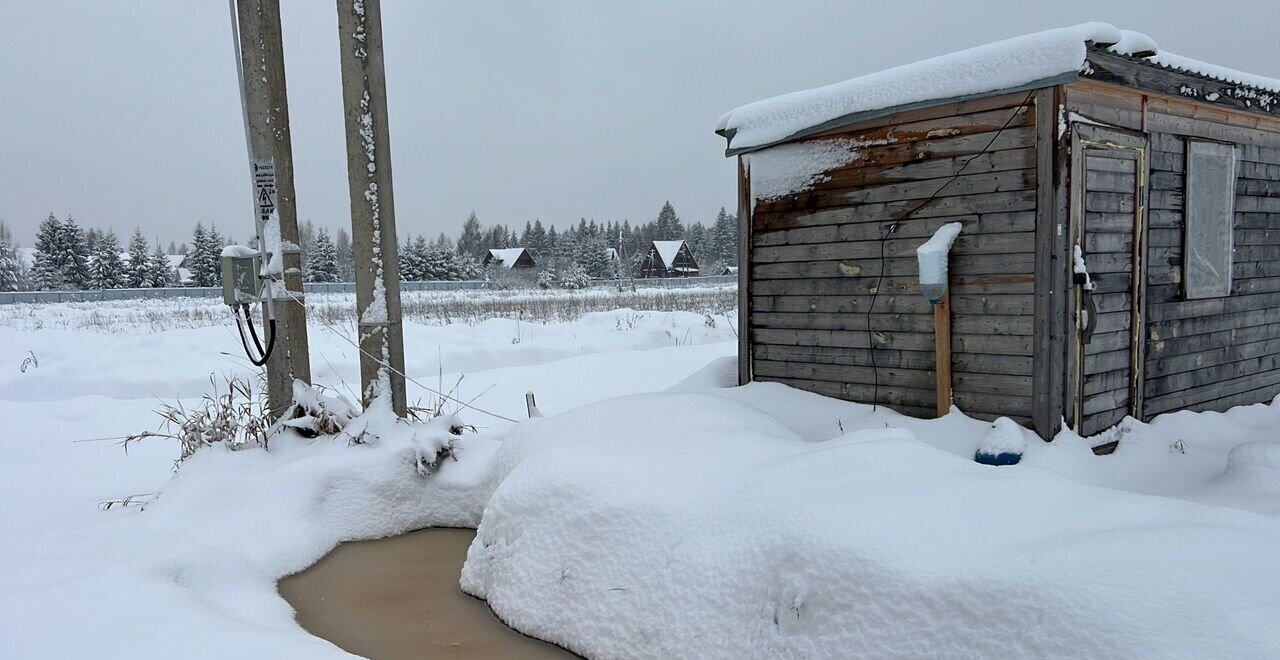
[(933, 256)]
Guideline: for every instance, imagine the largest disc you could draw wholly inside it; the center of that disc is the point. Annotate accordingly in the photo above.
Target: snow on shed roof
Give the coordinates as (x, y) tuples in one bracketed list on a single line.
[(507, 256), (668, 250), (1025, 62)]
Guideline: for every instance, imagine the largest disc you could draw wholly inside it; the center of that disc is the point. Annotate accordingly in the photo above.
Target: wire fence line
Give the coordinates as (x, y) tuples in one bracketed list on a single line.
[(13, 297)]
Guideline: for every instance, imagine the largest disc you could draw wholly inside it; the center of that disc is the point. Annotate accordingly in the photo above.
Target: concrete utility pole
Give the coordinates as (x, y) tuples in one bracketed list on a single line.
[(373, 218), (271, 160)]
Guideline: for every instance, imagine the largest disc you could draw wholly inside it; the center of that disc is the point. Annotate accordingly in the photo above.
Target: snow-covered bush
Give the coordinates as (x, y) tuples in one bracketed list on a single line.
[(316, 412), (546, 278), (574, 277)]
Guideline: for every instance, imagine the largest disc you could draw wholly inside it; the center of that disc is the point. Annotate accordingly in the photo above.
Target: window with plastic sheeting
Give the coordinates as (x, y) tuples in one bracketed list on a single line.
[(1209, 207)]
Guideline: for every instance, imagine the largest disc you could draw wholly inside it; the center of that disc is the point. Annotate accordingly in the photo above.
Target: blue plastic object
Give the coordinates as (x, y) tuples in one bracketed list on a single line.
[(1003, 458)]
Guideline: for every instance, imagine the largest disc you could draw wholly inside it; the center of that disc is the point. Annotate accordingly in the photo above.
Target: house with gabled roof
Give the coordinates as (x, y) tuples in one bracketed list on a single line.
[(668, 259), (510, 257)]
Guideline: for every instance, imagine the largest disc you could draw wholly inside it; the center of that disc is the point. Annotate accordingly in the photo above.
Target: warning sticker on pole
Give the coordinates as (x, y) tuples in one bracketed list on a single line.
[(264, 189)]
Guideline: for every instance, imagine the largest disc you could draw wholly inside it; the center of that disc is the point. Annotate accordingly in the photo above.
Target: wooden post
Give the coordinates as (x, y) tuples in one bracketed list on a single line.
[(271, 155), (745, 207), (942, 352), (373, 219)]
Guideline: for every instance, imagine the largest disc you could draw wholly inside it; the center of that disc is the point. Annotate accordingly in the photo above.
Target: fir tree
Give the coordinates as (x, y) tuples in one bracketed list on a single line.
[(696, 238), (537, 240), (592, 254), (322, 265), (724, 239), (10, 269), (203, 259), (306, 241), (497, 237), (75, 270), (668, 225), (47, 273), (216, 243), (553, 242), (471, 242), (439, 263), (91, 240), (433, 262), (159, 272), (196, 254), (411, 257), (628, 245), (138, 269), (467, 268), (346, 258), (106, 269)]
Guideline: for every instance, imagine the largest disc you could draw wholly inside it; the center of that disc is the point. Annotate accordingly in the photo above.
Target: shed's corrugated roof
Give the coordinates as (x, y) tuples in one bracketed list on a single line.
[(1021, 63)]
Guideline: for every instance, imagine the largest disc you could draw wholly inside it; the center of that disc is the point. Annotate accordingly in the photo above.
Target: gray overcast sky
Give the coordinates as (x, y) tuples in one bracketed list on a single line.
[(126, 112)]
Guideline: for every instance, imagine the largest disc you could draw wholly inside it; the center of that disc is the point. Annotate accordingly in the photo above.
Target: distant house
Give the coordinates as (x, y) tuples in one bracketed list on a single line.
[(669, 259), (510, 257), (177, 263)]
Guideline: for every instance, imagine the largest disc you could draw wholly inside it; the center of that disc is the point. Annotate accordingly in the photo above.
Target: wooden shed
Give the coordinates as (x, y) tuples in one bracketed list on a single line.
[(1120, 251), (669, 259)]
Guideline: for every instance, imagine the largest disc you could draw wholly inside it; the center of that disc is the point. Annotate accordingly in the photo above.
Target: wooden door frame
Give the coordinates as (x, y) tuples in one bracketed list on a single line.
[(1086, 136)]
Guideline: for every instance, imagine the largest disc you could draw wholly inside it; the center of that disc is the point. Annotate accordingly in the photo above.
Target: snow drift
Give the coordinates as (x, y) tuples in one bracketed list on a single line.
[(705, 527)]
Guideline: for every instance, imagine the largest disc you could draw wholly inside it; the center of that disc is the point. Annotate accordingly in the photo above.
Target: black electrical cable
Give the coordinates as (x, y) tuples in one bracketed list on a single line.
[(875, 293), (248, 318), (265, 352)]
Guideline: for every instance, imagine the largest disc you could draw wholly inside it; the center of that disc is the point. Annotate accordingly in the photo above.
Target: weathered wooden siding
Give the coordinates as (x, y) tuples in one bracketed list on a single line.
[(815, 261), (1207, 354)]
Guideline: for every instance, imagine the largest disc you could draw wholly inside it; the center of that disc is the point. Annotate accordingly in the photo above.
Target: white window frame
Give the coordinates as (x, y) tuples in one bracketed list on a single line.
[(1194, 283)]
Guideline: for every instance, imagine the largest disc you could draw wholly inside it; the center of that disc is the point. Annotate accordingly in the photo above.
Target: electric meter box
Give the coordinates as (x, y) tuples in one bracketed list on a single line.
[(240, 282)]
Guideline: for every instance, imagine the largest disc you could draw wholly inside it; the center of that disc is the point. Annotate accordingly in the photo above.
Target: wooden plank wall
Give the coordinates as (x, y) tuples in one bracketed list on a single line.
[(815, 262), (1207, 354)]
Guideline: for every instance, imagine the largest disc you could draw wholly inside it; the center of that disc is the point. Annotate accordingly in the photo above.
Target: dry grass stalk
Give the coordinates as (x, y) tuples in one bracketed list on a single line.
[(235, 415)]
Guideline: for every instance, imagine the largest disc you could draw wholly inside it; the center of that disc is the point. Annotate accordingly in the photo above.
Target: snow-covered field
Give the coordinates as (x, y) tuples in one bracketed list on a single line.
[(651, 513), (468, 306)]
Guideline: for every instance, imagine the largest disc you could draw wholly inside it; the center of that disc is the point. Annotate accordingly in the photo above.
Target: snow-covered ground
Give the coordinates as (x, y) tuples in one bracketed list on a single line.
[(193, 575), (651, 513)]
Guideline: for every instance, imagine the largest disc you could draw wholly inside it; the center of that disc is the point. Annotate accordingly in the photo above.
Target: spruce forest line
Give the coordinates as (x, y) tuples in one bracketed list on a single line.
[(67, 256)]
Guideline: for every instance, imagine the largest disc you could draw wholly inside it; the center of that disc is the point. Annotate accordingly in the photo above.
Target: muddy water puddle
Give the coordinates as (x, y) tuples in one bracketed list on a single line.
[(399, 598)]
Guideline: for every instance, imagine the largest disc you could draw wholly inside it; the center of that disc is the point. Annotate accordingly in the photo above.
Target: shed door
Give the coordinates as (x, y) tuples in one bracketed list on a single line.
[(1108, 219)]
